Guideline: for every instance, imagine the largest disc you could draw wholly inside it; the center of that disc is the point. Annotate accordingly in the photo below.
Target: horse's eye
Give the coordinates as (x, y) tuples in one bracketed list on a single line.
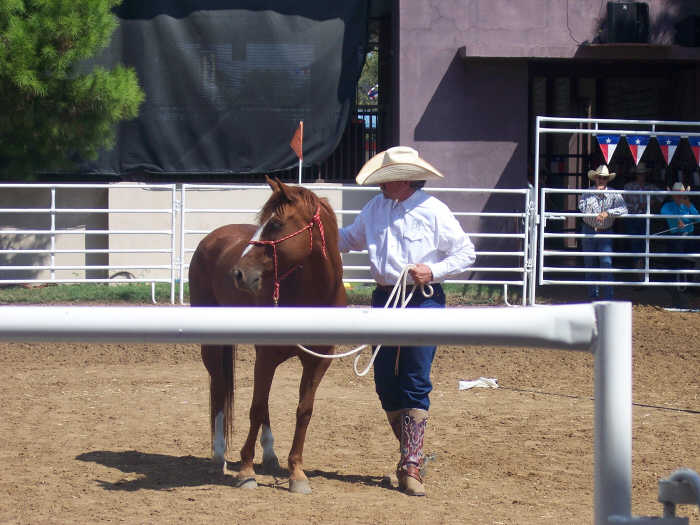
[(275, 224)]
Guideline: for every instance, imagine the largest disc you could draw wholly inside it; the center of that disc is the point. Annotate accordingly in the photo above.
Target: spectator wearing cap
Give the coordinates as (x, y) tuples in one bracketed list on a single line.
[(637, 204), (405, 227), (601, 209)]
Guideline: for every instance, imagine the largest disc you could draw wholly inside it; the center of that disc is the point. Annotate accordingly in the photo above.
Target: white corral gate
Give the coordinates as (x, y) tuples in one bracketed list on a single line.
[(566, 267), (77, 233)]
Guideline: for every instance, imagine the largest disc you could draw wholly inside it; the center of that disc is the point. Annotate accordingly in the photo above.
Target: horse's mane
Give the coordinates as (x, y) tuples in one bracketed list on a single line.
[(305, 199)]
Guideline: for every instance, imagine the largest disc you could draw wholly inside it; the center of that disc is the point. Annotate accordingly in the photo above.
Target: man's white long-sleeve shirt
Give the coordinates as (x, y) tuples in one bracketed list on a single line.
[(419, 229)]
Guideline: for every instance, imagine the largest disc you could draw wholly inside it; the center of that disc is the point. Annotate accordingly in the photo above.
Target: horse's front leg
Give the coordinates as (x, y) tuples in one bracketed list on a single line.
[(266, 362), (314, 370)]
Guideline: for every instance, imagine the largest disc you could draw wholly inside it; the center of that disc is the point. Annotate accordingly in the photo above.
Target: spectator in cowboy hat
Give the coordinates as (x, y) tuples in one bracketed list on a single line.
[(405, 226), (637, 204), (601, 209)]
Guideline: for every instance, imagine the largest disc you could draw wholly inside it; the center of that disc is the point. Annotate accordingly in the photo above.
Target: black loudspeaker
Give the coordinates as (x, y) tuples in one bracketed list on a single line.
[(688, 31), (628, 22)]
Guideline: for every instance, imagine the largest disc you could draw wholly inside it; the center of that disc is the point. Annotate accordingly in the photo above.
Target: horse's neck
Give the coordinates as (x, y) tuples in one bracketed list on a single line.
[(318, 282)]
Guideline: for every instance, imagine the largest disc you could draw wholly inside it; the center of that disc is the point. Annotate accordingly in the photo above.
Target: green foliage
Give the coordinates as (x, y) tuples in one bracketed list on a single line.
[(368, 78), (50, 112)]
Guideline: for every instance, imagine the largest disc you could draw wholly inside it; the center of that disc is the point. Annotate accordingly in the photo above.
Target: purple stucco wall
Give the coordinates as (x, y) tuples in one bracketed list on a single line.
[(470, 116), (467, 111)]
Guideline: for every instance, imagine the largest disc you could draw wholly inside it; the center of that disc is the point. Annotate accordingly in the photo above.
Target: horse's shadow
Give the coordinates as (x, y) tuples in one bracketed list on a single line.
[(163, 472)]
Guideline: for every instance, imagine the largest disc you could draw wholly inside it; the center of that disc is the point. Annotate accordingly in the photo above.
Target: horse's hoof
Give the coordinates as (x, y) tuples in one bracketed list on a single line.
[(246, 483), (270, 465), (299, 486)]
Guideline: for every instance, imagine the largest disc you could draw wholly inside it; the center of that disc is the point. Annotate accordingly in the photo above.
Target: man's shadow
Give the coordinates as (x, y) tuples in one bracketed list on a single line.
[(164, 472)]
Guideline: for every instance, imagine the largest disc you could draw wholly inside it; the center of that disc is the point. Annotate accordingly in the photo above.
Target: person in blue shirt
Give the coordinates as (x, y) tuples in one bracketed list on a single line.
[(680, 205), (680, 226)]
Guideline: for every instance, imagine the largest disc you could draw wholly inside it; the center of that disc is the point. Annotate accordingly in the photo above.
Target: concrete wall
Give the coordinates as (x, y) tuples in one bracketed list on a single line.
[(13, 198)]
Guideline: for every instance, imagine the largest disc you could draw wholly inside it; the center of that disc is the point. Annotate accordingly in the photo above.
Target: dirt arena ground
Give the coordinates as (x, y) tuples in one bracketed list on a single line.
[(119, 434)]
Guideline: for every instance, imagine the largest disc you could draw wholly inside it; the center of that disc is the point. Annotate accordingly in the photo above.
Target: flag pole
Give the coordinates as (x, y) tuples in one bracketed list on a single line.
[(301, 148)]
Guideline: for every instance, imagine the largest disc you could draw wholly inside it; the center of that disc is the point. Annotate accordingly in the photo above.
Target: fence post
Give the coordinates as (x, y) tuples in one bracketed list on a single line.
[(182, 241), (53, 233), (173, 239), (613, 411)]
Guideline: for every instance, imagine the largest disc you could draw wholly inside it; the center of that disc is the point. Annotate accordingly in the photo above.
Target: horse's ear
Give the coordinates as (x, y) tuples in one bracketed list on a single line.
[(284, 189), (273, 183)]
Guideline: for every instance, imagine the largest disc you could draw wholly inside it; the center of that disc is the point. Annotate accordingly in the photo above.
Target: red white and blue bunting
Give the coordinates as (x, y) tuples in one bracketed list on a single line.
[(695, 146), (638, 144), (668, 145), (608, 144)]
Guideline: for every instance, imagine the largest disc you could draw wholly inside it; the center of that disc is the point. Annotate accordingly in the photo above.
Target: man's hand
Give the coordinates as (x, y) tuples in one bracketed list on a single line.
[(421, 274), (601, 217)]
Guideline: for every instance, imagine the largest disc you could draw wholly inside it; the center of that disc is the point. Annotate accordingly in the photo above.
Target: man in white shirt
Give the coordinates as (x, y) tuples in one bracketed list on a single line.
[(406, 226)]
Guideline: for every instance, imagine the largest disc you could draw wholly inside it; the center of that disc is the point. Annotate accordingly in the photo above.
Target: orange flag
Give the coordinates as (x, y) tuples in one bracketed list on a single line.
[(297, 142)]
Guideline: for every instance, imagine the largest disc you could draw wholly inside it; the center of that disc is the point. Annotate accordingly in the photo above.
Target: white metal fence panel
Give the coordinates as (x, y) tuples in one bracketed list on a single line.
[(69, 233), (507, 264), (655, 256)]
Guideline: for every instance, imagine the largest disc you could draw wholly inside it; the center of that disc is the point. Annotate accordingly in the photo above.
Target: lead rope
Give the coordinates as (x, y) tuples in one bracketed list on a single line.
[(397, 299)]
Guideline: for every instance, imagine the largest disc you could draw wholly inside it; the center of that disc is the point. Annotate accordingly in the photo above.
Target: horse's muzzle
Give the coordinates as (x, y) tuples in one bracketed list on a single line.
[(248, 280)]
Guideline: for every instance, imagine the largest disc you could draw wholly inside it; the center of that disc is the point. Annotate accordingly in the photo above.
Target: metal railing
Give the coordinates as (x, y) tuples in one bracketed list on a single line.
[(514, 274), (668, 258), (49, 241), (369, 115), (53, 257), (545, 125)]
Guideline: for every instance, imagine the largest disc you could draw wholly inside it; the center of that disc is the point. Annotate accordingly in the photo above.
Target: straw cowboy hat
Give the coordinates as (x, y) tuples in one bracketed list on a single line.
[(678, 186), (395, 164), (601, 171)]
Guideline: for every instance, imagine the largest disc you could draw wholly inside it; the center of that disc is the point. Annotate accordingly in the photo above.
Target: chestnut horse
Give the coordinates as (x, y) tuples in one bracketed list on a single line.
[(291, 258)]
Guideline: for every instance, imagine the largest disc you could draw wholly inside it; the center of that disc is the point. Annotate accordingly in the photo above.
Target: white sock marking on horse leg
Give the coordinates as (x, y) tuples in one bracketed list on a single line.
[(255, 237), (219, 444), (267, 441)]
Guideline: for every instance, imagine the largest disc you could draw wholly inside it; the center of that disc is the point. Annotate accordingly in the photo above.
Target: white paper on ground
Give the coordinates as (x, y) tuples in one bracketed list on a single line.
[(482, 382)]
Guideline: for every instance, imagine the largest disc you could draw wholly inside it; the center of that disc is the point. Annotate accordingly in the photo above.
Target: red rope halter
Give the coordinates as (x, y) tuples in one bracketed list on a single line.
[(316, 219)]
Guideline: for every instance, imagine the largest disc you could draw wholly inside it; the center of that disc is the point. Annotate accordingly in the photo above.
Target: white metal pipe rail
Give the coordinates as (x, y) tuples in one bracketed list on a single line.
[(522, 271), (54, 232), (590, 126), (604, 328), (648, 256)]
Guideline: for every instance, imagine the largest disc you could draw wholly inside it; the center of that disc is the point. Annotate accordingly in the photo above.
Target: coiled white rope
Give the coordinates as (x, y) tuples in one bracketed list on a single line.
[(397, 299)]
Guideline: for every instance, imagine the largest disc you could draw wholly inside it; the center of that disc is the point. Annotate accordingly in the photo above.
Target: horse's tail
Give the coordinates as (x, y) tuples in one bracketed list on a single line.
[(221, 363)]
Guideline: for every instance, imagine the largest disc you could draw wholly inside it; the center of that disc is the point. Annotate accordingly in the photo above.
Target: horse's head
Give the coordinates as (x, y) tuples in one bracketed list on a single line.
[(290, 233)]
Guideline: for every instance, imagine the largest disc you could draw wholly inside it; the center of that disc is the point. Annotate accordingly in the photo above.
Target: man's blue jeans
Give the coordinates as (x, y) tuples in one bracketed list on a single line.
[(605, 246), (411, 386)]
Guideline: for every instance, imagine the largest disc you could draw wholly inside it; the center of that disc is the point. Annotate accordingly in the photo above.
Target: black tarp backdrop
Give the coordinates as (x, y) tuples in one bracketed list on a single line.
[(226, 83)]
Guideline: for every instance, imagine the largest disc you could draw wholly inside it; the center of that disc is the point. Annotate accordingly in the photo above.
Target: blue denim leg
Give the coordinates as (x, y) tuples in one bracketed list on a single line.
[(412, 386), (635, 226), (605, 246), (588, 244)]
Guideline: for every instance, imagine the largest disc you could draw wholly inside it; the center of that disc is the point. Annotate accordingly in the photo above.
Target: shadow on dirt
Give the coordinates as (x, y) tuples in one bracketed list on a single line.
[(163, 472)]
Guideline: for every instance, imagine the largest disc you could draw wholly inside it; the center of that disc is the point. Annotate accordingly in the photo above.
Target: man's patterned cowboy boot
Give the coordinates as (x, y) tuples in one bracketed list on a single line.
[(394, 418), (413, 422)]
